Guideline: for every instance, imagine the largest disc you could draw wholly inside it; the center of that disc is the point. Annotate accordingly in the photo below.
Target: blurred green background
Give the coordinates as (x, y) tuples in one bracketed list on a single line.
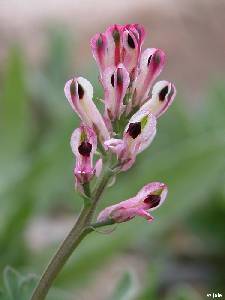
[(180, 256)]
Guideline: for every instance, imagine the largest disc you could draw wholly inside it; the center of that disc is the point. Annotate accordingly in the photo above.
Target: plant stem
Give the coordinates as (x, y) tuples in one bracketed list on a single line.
[(73, 239)]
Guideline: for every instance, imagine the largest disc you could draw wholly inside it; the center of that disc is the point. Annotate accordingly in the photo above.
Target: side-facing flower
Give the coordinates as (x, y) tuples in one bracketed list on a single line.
[(99, 46), (106, 47), (151, 65), (163, 94), (115, 82), (137, 136), (149, 198), (83, 143), (79, 93), (133, 38)]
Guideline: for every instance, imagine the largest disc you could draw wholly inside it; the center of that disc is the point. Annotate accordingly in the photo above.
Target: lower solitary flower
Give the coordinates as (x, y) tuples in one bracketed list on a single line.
[(149, 198)]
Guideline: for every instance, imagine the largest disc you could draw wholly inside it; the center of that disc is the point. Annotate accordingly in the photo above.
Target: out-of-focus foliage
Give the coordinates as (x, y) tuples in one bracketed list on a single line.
[(17, 287), (185, 244), (125, 290)]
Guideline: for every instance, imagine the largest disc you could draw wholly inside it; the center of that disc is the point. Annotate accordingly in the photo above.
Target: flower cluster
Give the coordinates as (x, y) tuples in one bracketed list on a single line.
[(132, 105)]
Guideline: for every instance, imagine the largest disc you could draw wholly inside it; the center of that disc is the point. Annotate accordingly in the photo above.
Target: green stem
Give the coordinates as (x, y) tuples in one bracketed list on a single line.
[(101, 224), (73, 239)]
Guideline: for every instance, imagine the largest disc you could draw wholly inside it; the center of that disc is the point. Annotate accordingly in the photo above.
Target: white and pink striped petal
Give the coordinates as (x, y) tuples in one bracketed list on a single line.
[(151, 65), (84, 144), (79, 93), (115, 82), (163, 94)]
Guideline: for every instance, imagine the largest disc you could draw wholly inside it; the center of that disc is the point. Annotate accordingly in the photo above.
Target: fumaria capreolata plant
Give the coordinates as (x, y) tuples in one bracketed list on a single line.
[(105, 145)]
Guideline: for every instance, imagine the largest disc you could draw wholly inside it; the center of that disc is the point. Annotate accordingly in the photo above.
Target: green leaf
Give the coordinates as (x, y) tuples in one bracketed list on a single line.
[(27, 285), (126, 288), (3, 296), (14, 106), (11, 280), (151, 284), (17, 287)]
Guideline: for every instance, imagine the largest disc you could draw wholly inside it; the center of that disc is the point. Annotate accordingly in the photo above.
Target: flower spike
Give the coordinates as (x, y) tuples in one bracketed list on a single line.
[(149, 198), (79, 93), (83, 143), (163, 94)]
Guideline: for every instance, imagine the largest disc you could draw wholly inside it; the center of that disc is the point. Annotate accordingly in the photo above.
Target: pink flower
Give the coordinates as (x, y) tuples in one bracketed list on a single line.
[(151, 65), (118, 44), (137, 136), (163, 94), (83, 143), (115, 82), (133, 38), (106, 47), (149, 198), (79, 93)]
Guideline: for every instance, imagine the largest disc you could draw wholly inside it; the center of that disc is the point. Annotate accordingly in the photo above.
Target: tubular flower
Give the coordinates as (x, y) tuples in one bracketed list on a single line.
[(118, 44), (83, 143), (149, 198), (163, 94), (137, 136), (106, 47), (133, 38), (79, 93), (151, 65), (115, 83)]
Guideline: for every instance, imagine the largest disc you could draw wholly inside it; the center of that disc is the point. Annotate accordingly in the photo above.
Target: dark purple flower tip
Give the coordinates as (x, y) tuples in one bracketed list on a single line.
[(130, 42), (134, 129), (112, 80), (163, 93), (119, 76), (73, 88), (152, 200), (99, 42), (116, 35), (85, 149), (80, 91), (149, 59)]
